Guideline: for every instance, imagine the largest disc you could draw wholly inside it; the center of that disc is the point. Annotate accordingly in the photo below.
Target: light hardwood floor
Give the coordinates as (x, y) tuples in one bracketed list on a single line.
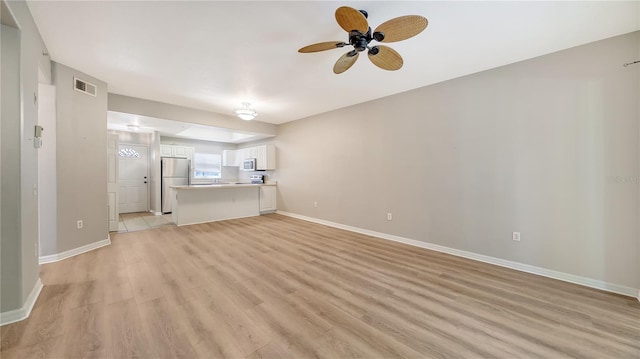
[(277, 287)]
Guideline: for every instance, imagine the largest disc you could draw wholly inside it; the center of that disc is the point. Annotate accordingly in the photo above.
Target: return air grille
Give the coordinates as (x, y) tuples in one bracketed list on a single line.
[(85, 87)]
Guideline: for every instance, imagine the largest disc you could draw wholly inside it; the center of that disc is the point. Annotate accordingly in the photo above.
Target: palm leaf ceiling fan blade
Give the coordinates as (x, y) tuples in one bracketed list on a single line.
[(386, 58), (402, 28), (351, 19), (355, 23), (345, 62), (322, 46)]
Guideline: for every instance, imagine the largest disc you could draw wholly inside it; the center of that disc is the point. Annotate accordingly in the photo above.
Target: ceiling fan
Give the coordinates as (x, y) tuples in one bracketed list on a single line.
[(360, 36)]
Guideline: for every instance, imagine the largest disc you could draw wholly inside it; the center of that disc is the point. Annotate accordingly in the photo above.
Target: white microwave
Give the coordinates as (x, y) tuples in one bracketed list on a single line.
[(249, 164)]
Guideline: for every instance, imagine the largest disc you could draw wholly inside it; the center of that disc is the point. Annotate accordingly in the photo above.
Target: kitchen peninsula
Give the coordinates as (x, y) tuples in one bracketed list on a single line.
[(208, 203)]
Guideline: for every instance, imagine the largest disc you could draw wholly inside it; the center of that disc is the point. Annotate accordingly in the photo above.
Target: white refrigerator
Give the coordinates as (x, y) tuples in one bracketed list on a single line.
[(174, 172)]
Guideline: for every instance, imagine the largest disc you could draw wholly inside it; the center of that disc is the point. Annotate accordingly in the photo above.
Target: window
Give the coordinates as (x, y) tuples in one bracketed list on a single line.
[(128, 152), (206, 165)]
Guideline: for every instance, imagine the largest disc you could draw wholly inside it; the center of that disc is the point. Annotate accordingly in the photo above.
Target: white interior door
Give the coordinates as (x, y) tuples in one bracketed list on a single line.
[(133, 164), (112, 180)]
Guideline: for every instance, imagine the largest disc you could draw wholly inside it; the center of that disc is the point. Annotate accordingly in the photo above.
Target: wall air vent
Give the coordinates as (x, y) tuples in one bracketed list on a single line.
[(85, 87)]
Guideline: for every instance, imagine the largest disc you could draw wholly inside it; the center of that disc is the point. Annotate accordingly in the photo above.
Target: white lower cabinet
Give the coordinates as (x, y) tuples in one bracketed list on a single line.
[(200, 204), (268, 199)]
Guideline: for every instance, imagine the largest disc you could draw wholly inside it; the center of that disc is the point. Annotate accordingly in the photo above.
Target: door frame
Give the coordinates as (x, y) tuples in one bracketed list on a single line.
[(47, 178), (116, 200), (147, 169)]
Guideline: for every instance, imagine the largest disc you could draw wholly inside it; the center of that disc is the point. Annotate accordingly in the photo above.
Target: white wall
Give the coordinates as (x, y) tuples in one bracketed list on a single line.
[(82, 160), (10, 167), (32, 61), (135, 138), (24, 242), (47, 171), (537, 147)]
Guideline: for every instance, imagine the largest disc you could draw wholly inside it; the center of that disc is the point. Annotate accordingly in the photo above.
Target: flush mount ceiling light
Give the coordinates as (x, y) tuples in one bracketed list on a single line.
[(246, 113)]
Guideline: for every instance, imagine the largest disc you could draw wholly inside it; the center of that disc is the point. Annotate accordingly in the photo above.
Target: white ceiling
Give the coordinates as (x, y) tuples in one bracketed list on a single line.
[(214, 55)]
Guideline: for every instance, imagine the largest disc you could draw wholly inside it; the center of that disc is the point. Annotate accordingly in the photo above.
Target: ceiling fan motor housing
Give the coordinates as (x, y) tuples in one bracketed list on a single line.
[(358, 41), (361, 41)]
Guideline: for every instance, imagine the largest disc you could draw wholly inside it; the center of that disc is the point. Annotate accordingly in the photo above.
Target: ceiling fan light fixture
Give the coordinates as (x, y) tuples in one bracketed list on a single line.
[(246, 113)]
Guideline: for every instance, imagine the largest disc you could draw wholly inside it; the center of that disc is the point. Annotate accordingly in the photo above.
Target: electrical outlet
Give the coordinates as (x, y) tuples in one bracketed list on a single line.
[(389, 216), (315, 204), (79, 224), (516, 236)]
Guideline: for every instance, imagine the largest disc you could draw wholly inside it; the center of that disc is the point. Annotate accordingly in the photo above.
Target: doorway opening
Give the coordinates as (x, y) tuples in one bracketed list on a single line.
[(133, 178)]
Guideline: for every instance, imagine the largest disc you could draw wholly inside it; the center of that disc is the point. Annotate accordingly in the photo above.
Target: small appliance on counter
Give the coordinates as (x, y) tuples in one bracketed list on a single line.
[(257, 179)]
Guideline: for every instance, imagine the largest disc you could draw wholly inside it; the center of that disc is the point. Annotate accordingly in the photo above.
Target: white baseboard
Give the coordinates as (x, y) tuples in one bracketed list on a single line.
[(74, 252), (216, 220), (566, 277), (17, 315)]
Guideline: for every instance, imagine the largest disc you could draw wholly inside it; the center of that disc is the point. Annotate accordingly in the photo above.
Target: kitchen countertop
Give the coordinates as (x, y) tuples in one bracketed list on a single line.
[(223, 185)]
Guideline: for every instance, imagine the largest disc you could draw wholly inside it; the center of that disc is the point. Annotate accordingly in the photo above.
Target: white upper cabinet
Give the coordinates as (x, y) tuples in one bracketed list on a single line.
[(166, 151), (177, 151), (230, 158), (249, 152), (261, 157), (265, 156), (242, 154), (180, 151)]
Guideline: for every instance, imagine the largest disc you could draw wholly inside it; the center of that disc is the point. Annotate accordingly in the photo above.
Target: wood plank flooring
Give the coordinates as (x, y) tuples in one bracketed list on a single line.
[(277, 287)]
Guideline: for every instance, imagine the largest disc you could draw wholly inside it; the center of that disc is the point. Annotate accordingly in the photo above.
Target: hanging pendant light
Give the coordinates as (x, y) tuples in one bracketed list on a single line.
[(246, 113)]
